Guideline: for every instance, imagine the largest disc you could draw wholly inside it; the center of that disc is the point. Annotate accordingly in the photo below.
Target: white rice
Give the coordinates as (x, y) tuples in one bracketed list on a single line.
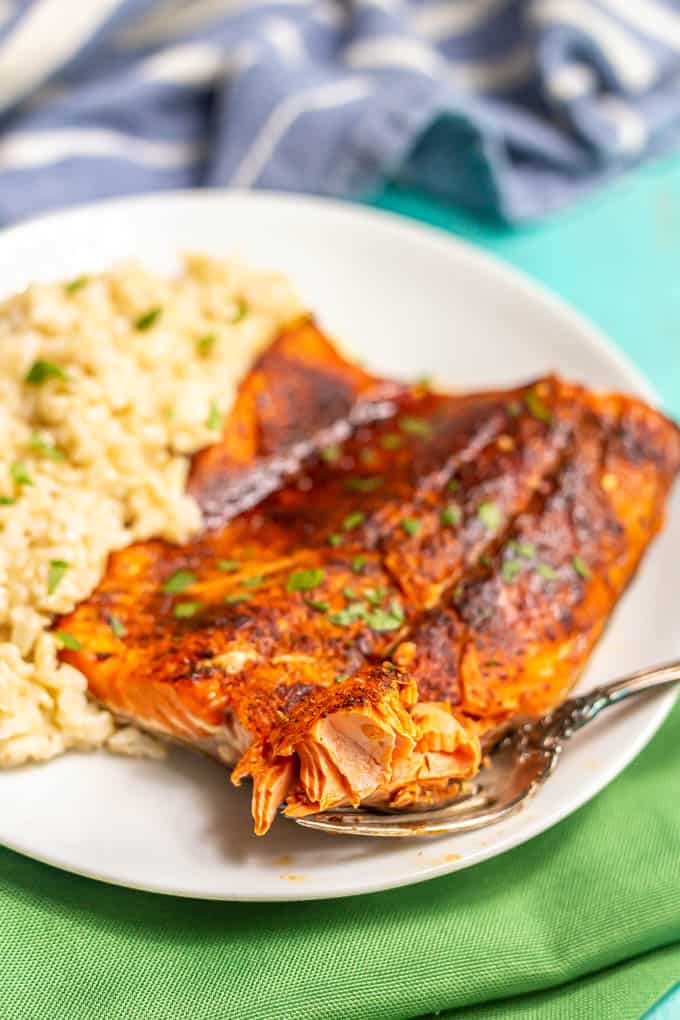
[(98, 458)]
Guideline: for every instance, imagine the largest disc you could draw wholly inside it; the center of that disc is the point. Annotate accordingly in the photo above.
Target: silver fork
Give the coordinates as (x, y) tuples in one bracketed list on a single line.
[(519, 762)]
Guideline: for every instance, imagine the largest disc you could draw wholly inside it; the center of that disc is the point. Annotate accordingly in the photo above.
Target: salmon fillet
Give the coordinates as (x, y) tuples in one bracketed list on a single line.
[(385, 575)]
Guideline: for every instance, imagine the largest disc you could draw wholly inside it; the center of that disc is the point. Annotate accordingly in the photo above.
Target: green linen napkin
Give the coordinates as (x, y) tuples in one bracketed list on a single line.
[(597, 895)]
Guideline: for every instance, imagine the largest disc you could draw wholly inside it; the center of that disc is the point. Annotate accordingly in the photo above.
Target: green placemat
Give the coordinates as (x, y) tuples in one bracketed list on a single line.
[(583, 922)]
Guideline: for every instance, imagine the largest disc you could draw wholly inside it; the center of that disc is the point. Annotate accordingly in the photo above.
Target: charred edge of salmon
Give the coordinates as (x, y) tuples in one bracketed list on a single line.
[(300, 396), (365, 741)]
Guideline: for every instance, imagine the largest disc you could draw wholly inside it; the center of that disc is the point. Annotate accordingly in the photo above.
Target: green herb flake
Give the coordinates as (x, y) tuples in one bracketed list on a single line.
[(340, 678), (581, 567), (305, 580), (346, 617), (6, 501), (451, 515), (205, 344), (391, 441), (241, 311), (384, 620), (358, 564), (73, 286), (491, 515), (457, 593), (424, 383), (537, 408), (546, 571), (116, 625), (40, 445), (256, 580), (148, 319), (349, 593), (19, 473), (514, 408), (485, 560), (214, 419), (363, 484), (510, 570), (374, 595), (527, 550), (179, 582), (40, 371), (368, 456), (228, 566), (330, 454), (319, 607), (183, 610), (410, 526), (334, 540), (56, 571), (67, 640), (353, 520), (234, 600), (453, 485), (413, 426)]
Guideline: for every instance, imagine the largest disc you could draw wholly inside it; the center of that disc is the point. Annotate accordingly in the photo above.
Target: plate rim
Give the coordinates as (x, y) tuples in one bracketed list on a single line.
[(406, 230)]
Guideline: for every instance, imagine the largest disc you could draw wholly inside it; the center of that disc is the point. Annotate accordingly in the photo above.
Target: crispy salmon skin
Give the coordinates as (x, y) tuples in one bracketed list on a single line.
[(385, 575)]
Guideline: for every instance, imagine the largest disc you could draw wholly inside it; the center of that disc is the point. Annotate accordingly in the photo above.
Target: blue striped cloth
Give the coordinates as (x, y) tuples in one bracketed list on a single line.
[(513, 107)]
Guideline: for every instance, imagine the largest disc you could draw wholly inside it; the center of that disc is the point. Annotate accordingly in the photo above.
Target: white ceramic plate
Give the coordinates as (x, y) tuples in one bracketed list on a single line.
[(409, 301)]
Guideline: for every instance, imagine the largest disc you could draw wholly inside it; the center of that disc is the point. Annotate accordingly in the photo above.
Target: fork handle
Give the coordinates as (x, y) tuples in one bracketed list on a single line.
[(574, 713)]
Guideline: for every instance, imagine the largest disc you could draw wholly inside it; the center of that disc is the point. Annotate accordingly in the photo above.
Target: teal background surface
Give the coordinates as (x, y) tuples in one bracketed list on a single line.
[(614, 257)]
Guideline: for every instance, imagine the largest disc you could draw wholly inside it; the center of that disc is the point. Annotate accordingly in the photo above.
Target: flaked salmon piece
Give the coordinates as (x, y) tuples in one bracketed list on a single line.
[(386, 574)]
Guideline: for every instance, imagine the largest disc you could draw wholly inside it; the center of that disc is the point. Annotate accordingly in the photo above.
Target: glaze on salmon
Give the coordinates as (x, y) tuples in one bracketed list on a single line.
[(385, 575)]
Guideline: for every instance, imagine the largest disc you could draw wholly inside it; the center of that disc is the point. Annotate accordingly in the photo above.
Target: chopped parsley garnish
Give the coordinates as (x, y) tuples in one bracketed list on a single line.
[(340, 678), (424, 383), (179, 582), (485, 560), (537, 408), (391, 441), (148, 319), (40, 371), (491, 515), (454, 485), (214, 419), (319, 607), (363, 484), (581, 567), (546, 571), (330, 453), (183, 610), (45, 449), (358, 563), (205, 344), (305, 580), (334, 540), (386, 619), (116, 625), (349, 593), (510, 570), (374, 595), (236, 598), (20, 474), (228, 566), (527, 550), (353, 520), (255, 581), (77, 284), (6, 501), (514, 408), (241, 311), (410, 526), (368, 456), (413, 426), (457, 593), (451, 515), (68, 640), (55, 574)]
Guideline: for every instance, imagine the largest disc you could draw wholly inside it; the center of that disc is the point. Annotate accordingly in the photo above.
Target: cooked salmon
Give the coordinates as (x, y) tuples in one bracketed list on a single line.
[(385, 575)]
